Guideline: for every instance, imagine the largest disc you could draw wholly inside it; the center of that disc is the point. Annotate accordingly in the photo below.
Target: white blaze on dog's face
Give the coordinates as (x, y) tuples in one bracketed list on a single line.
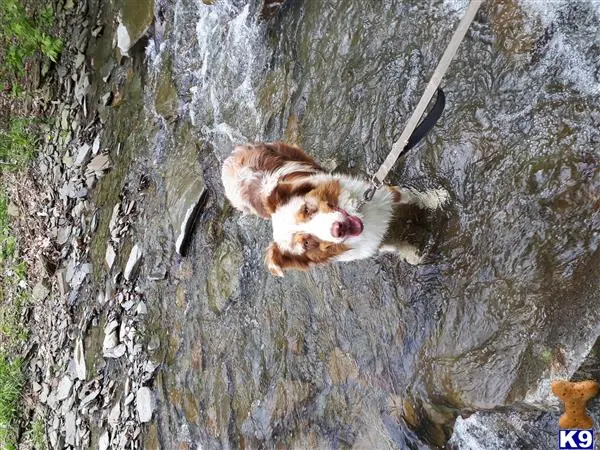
[(311, 224)]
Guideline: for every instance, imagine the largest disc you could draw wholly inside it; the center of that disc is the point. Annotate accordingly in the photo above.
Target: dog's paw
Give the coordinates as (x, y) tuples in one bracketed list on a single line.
[(444, 196), (435, 198), (406, 251), (412, 258)]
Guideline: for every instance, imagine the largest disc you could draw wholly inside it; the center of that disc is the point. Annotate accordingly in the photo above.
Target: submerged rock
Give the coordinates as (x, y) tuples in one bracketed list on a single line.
[(223, 277), (135, 19), (341, 367), (166, 100), (186, 190), (270, 8)]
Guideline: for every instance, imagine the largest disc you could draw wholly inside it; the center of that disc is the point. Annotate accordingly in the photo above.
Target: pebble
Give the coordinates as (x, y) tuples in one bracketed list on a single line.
[(70, 430), (96, 145), (63, 234), (116, 352), (132, 263), (83, 154), (40, 292), (64, 388), (110, 256), (110, 340), (104, 441), (79, 358), (72, 159), (115, 415), (99, 164), (89, 398), (144, 404), (141, 309)]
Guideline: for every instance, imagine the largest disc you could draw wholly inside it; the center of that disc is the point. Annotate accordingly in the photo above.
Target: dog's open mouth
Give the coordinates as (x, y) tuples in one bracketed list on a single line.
[(355, 226), (351, 227)]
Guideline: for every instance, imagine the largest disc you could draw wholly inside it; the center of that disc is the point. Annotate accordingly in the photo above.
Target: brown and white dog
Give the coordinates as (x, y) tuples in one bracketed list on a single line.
[(315, 214)]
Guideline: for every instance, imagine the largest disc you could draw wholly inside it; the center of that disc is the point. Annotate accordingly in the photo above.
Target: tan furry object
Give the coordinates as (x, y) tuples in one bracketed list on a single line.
[(575, 396)]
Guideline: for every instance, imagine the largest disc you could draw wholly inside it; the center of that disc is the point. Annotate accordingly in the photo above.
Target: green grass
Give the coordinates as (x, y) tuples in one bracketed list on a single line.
[(7, 241), (21, 37), (37, 434), (13, 297), (11, 383), (17, 145)]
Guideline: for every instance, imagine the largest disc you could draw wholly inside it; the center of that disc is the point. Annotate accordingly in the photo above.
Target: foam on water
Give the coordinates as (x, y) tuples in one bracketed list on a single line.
[(232, 55)]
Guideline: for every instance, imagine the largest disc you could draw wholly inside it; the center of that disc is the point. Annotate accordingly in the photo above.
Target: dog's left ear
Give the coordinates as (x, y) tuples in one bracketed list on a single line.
[(283, 192), (274, 260)]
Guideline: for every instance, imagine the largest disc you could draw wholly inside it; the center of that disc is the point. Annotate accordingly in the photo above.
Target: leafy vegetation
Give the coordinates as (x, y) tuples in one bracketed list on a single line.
[(17, 145), (22, 37), (13, 298), (25, 35), (11, 383), (37, 434), (13, 293)]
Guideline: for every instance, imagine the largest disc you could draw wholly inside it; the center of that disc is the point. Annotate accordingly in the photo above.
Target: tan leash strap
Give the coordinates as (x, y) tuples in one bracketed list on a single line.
[(436, 78)]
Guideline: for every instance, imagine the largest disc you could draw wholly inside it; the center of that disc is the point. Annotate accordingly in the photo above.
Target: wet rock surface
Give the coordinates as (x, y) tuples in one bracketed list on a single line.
[(381, 352)]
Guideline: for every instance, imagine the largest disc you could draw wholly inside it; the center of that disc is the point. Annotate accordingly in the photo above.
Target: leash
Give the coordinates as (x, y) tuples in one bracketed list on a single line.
[(414, 132)]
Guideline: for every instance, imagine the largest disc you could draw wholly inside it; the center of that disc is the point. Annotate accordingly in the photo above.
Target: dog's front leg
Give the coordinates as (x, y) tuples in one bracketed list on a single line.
[(427, 199)]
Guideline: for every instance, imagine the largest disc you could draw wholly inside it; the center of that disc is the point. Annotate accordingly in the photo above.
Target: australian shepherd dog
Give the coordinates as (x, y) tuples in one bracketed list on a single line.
[(317, 216)]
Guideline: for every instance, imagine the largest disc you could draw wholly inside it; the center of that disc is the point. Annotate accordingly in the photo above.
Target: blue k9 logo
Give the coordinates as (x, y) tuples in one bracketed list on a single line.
[(575, 439)]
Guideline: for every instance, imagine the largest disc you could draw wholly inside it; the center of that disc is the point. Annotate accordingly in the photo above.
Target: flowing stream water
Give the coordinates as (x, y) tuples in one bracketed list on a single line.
[(377, 353)]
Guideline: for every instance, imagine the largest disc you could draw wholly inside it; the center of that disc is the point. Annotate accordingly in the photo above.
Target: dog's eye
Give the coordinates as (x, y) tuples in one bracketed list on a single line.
[(305, 210), (306, 244)]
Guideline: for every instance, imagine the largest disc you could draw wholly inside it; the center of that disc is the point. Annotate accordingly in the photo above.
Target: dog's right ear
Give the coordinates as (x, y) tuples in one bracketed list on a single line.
[(274, 260), (277, 261)]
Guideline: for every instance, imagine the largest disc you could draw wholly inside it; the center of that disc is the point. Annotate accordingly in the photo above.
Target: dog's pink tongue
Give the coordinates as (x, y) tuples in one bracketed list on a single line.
[(355, 226)]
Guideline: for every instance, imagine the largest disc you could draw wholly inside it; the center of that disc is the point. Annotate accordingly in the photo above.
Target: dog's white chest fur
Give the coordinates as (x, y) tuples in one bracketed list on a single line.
[(375, 214)]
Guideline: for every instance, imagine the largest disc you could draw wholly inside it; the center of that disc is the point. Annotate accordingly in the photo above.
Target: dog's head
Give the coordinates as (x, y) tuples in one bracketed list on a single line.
[(314, 222)]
